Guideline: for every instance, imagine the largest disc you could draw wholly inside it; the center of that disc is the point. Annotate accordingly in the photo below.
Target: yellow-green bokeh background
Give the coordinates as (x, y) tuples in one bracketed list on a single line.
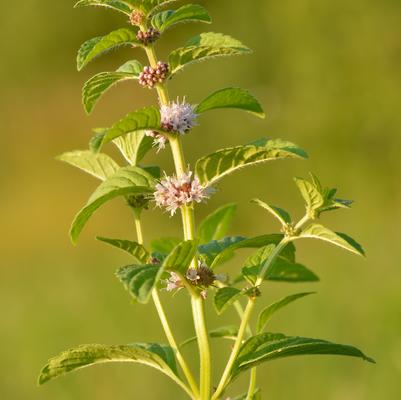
[(329, 76)]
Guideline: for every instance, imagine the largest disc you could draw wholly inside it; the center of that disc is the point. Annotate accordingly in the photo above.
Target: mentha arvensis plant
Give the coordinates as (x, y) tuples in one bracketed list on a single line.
[(193, 264)]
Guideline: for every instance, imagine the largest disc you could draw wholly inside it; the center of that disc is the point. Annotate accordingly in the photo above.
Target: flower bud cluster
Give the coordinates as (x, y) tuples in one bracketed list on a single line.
[(151, 76), (149, 36), (137, 18)]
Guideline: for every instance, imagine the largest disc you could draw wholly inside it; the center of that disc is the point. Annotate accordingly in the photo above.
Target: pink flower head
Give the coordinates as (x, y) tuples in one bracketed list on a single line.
[(178, 117), (173, 192)]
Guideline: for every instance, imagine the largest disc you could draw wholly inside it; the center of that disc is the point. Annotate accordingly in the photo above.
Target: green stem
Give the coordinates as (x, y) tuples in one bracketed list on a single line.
[(252, 385), (166, 326), (189, 234)]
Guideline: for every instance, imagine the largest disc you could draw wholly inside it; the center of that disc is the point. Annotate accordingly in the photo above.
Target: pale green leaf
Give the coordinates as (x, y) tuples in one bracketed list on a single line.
[(203, 47), (96, 86), (99, 165), (134, 146), (231, 98), (216, 225), (153, 355), (311, 194), (188, 13), (116, 5), (148, 6), (140, 280), (267, 313), (180, 258), (97, 46), (225, 297), (213, 167), (133, 248), (272, 346), (317, 231), (277, 212), (128, 180)]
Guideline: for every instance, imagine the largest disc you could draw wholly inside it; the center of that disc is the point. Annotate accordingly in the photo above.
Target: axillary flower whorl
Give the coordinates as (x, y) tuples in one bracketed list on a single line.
[(173, 192), (178, 117), (159, 140), (149, 36), (151, 76)]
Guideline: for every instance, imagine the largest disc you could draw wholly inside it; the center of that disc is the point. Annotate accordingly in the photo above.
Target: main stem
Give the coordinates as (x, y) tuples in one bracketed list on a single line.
[(164, 321), (188, 221)]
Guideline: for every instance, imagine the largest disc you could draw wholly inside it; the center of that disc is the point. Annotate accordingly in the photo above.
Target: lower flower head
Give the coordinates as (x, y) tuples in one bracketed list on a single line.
[(173, 192), (178, 117)]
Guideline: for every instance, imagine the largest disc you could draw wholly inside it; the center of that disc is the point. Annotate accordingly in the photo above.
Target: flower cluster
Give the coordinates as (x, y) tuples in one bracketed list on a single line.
[(136, 18), (178, 117), (149, 36), (151, 76), (173, 192), (159, 140)]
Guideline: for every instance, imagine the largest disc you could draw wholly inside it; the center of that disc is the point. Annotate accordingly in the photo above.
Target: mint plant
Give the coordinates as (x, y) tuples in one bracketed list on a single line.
[(193, 264)]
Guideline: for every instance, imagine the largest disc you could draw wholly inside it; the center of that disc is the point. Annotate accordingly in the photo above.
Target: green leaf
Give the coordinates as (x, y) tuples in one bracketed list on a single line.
[(116, 5), (147, 118), (128, 180), (317, 231), (96, 86), (101, 166), (153, 355), (272, 346), (311, 194), (188, 13), (140, 280), (216, 225), (133, 248), (203, 47), (225, 332), (231, 98), (134, 146), (267, 313), (164, 245), (181, 256), (257, 395), (149, 6), (225, 297), (215, 166), (99, 45), (277, 212)]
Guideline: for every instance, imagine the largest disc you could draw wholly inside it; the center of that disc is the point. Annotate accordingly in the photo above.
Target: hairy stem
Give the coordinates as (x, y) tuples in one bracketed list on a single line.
[(188, 220)]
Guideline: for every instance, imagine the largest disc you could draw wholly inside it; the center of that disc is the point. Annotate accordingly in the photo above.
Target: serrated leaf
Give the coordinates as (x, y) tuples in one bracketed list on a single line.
[(215, 166), (225, 332), (101, 166), (147, 118), (231, 98), (188, 13), (203, 47), (140, 280), (128, 180), (216, 225), (96, 86), (134, 146), (267, 313), (116, 5), (225, 297), (95, 47), (272, 346), (277, 212), (133, 248), (153, 355), (317, 231), (180, 258)]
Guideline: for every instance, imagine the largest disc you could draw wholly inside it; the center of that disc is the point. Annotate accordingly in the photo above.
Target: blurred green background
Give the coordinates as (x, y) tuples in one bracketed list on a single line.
[(329, 76)]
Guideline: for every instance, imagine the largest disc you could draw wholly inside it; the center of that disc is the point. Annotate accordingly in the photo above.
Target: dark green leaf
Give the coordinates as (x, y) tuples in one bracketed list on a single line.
[(225, 297), (231, 98), (267, 313), (101, 166), (188, 13), (216, 225), (133, 248), (93, 48), (181, 257), (154, 355), (215, 166), (164, 245), (128, 180)]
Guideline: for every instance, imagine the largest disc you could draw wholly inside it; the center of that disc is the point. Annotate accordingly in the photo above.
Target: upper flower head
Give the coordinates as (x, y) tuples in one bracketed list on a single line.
[(173, 192), (178, 117)]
